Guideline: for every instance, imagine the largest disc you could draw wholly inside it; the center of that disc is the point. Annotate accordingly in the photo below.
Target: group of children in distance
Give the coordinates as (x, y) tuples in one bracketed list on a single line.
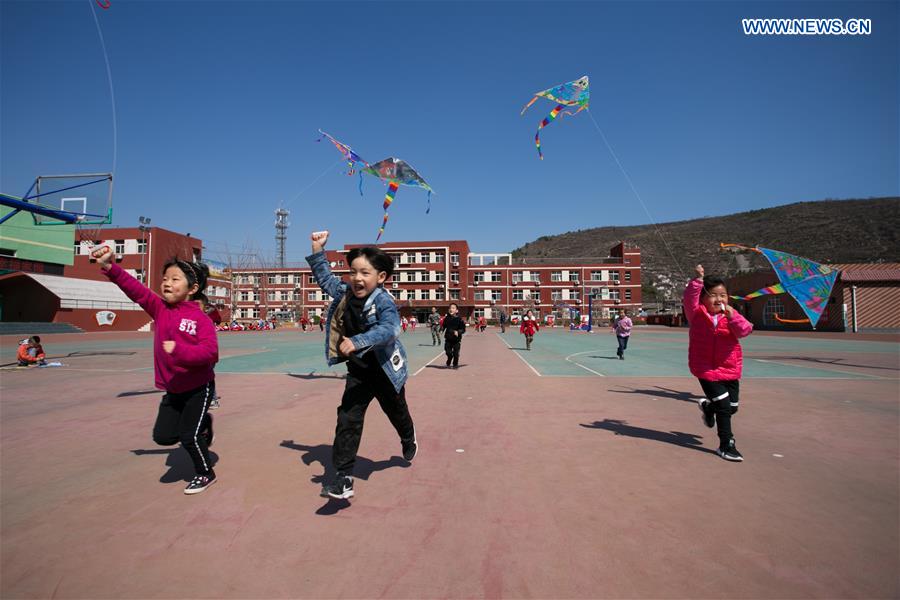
[(363, 330)]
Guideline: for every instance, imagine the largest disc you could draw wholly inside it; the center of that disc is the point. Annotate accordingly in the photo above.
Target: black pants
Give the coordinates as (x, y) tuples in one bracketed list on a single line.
[(724, 396), (362, 386), (181, 418), (452, 350), (623, 344)]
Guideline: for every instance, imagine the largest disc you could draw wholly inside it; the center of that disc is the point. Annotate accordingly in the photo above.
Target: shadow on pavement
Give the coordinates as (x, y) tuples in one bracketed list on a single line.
[(663, 393), (321, 454), (181, 467), (676, 438)]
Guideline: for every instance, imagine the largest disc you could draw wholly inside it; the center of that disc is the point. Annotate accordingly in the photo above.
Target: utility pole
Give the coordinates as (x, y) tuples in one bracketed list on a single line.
[(144, 227)]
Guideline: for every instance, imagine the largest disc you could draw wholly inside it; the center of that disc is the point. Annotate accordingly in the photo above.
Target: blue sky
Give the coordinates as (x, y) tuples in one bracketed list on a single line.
[(218, 104)]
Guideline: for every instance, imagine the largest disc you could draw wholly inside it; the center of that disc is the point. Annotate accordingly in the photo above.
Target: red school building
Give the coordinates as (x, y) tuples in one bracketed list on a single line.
[(434, 274)]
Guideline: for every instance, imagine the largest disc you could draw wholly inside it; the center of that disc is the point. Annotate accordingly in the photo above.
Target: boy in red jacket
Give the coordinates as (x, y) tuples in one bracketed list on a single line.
[(185, 349), (31, 352), (714, 354)]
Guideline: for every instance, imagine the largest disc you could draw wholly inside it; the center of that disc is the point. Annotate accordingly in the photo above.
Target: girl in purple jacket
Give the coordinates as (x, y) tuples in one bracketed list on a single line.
[(714, 354), (185, 349)]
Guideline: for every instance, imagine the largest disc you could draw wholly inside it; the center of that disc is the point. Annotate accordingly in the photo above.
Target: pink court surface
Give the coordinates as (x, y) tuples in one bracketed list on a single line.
[(556, 473)]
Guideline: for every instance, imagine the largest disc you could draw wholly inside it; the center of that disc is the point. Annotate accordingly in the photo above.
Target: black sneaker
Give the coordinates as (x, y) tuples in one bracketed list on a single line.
[(341, 487), (208, 432), (448, 364), (709, 415), (199, 484), (410, 448), (729, 452)]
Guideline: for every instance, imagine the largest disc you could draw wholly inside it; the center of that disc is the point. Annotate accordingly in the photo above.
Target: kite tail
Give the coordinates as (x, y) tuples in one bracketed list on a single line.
[(388, 199), (547, 120), (722, 245), (527, 106), (428, 209), (780, 320), (360, 182)]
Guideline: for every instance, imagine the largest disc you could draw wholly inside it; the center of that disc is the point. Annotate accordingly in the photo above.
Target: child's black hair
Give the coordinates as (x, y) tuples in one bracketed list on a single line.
[(36, 339), (453, 304), (711, 281), (194, 272), (376, 256)]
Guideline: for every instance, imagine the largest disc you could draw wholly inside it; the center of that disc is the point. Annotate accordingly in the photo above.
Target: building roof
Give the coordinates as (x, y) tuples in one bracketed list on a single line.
[(69, 288), (852, 272)]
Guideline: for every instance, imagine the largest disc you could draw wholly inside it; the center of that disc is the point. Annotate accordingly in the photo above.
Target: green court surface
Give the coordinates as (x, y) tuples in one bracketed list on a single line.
[(663, 353), (652, 352)]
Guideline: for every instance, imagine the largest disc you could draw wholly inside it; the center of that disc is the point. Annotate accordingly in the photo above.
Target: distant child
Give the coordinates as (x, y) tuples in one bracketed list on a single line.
[(529, 327), (622, 326), (482, 324), (434, 323), (714, 354), (503, 319), (454, 328), (404, 323), (30, 352), (185, 350), (364, 328)]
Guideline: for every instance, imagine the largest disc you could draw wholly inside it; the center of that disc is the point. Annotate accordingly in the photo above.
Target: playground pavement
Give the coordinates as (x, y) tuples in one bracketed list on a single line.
[(556, 473)]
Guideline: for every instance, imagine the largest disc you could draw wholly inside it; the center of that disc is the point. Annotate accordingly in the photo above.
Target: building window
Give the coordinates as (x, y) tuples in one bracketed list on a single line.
[(271, 279), (496, 295), (270, 296), (627, 275), (439, 257), (517, 277), (245, 296), (774, 307), (628, 294), (596, 275), (312, 280), (479, 276), (439, 294), (573, 275), (454, 294), (454, 257), (518, 294), (479, 295), (395, 294), (555, 295), (574, 295), (119, 246), (311, 296), (142, 246), (478, 313), (495, 277), (556, 276), (615, 275), (454, 277)]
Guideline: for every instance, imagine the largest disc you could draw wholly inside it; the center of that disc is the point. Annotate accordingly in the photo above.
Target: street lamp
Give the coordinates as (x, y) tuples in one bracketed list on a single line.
[(144, 227)]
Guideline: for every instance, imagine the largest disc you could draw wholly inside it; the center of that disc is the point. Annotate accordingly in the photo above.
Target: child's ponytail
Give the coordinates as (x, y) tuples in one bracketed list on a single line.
[(195, 272)]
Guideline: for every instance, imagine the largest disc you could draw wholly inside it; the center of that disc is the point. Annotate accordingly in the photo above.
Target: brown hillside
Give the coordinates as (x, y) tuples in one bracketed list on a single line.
[(829, 231)]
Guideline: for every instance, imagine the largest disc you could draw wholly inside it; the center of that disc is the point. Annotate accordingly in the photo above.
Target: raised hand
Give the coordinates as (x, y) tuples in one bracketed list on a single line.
[(700, 271), (319, 238), (103, 255)]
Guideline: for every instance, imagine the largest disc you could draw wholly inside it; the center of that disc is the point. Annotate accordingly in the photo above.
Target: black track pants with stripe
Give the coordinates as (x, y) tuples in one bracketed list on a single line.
[(181, 418), (724, 396)]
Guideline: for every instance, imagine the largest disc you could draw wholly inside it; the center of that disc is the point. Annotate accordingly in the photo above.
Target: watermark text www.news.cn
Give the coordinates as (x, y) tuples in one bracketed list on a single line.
[(807, 26)]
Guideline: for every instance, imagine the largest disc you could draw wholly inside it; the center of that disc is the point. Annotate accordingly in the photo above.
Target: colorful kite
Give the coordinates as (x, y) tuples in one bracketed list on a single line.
[(575, 93), (393, 171), (808, 282)]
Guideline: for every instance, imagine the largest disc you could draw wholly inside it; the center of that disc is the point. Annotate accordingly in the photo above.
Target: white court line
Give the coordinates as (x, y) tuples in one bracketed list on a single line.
[(519, 355), (568, 358), (428, 363), (775, 362)]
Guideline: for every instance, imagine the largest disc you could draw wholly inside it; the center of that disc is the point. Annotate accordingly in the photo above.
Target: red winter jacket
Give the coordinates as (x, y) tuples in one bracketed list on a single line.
[(529, 326), (190, 365), (714, 352)]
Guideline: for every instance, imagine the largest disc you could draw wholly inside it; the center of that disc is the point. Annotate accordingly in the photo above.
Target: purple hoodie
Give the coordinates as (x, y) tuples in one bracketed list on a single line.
[(196, 346), (623, 326)]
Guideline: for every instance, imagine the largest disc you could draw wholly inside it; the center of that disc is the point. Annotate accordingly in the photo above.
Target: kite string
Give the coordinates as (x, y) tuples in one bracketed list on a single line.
[(112, 92), (636, 194)]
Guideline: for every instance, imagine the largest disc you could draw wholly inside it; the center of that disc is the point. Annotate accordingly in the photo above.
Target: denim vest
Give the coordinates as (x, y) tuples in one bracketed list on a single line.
[(382, 327)]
